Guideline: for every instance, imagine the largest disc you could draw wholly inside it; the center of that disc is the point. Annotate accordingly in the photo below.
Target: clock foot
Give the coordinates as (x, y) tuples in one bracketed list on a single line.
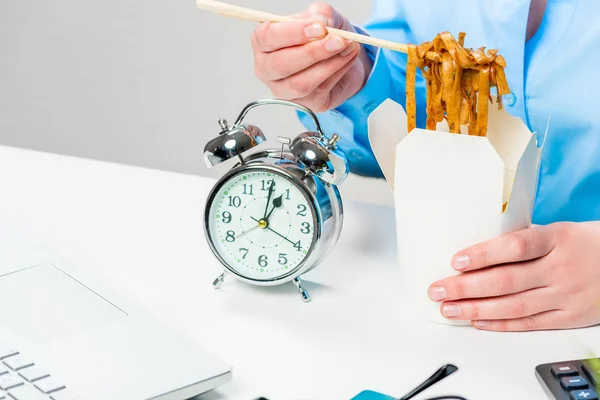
[(219, 281), (301, 290)]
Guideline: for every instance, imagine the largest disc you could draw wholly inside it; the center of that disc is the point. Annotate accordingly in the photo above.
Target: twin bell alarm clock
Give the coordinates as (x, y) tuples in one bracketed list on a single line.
[(278, 212)]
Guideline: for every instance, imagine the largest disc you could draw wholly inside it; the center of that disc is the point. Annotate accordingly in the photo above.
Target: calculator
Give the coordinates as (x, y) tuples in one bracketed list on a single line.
[(571, 380)]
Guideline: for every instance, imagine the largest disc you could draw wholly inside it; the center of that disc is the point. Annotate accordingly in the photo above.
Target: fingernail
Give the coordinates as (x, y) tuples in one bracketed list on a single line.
[(314, 31), (437, 293), (451, 310), (349, 49), (321, 18), (334, 44), (461, 262), (481, 324)]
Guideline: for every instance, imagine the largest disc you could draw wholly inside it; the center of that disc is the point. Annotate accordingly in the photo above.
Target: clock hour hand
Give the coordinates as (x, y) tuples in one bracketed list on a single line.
[(277, 201)]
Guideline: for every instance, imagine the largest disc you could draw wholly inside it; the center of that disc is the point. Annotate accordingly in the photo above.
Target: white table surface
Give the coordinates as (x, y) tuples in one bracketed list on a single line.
[(140, 230)]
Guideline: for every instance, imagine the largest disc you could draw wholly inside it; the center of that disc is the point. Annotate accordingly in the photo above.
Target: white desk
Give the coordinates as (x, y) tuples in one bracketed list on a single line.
[(141, 231)]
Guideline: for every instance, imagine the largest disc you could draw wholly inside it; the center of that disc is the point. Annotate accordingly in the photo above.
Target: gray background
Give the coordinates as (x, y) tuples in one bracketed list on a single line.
[(139, 82)]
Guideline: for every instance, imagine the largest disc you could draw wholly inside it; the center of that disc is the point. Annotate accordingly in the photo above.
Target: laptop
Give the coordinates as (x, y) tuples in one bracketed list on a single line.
[(66, 336)]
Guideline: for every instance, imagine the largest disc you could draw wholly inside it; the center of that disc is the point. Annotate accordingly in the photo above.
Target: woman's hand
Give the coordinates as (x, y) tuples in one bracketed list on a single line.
[(545, 277), (299, 61)]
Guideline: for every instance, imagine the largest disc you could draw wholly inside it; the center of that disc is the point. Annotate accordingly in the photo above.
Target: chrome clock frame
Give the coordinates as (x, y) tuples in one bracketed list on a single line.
[(311, 162)]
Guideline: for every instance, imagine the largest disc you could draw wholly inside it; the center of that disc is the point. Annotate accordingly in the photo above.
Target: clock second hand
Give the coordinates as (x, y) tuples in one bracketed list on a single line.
[(277, 233), (248, 231)]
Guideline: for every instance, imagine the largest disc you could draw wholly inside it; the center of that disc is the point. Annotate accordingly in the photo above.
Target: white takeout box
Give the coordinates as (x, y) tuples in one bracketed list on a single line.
[(449, 191)]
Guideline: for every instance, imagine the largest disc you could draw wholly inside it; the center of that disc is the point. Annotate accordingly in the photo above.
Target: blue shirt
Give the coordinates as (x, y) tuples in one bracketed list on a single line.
[(555, 74)]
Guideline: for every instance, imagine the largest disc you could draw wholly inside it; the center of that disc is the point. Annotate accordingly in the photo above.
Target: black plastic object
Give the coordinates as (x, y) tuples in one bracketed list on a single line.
[(443, 372)]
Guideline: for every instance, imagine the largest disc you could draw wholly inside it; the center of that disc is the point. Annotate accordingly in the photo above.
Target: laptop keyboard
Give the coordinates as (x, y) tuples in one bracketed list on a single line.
[(22, 379)]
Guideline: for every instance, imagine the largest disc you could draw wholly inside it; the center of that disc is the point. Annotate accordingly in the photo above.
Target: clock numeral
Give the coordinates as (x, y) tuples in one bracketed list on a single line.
[(226, 217), (248, 189), (235, 201), (266, 185), (305, 228), (245, 251), (287, 191), (298, 246), (301, 210), (262, 261), (282, 258), (230, 236)]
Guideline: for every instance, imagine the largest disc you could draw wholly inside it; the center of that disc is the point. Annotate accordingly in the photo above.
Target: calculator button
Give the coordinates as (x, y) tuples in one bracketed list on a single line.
[(585, 394), (48, 385), (593, 371), (17, 362), (33, 373), (9, 381), (574, 382), (26, 393), (560, 370)]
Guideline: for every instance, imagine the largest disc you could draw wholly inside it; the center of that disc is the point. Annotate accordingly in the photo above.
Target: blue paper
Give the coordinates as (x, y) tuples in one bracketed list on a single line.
[(371, 395)]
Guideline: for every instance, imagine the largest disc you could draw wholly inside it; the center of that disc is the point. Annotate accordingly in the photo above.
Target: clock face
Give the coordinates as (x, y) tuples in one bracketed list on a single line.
[(261, 224)]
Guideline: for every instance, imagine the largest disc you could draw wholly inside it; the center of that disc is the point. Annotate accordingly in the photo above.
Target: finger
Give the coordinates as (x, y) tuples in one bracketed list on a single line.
[(349, 85), (489, 282), (513, 306), (272, 36), (309, 15), (334, 19), (323, 12), (303, 83), (522, 245), (328, 94), (287, 62), (556, 319)]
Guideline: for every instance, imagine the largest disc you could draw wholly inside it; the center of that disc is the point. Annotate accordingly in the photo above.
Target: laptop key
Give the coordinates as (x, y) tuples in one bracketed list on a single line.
[(65, 395), (3, 369), (6, 351), (17, 362), (33, 373), (48, 385), (26, 393), (9, 381)]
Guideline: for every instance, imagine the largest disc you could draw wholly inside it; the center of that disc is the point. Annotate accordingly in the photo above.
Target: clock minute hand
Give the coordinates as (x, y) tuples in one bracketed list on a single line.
[(277, 233), (271, 188)]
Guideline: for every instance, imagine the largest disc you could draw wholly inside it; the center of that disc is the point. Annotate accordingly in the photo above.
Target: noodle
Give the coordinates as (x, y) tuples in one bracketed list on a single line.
[(458, 83), (411, 73)]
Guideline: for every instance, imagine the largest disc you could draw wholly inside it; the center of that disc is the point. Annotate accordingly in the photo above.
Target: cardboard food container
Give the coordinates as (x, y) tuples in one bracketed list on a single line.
[(451, 191)]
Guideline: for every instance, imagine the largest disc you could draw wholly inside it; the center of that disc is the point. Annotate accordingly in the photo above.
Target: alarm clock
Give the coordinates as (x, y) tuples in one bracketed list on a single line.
[(277, 213)]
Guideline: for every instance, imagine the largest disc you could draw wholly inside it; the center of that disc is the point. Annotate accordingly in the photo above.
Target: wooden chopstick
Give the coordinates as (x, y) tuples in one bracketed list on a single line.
[(259, 16)]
